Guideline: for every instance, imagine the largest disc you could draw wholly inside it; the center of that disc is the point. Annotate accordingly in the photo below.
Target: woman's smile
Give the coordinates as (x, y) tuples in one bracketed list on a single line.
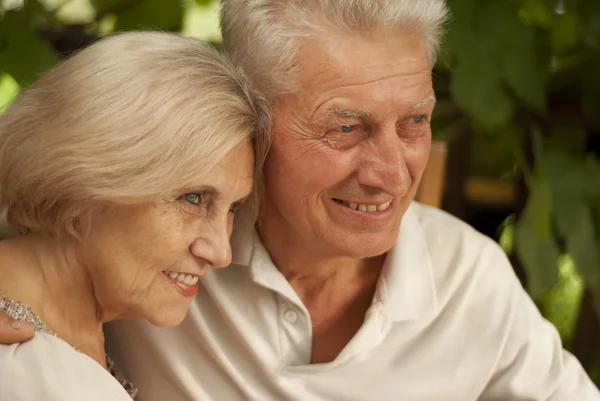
[(185, 283)]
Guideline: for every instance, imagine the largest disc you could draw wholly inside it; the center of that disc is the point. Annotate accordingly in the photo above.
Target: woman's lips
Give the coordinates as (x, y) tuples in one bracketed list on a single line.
[(186, 284)]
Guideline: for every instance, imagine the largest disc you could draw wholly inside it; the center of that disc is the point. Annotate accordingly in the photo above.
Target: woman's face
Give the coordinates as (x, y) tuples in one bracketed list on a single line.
[(145, 260)]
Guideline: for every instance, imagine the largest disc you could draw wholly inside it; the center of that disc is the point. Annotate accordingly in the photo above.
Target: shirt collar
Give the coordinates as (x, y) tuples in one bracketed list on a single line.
[(248, 251), (242, 243), (406, 289)]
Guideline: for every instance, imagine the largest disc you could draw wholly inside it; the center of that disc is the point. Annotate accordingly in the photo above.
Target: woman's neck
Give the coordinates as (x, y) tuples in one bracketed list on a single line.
[(48, 275)]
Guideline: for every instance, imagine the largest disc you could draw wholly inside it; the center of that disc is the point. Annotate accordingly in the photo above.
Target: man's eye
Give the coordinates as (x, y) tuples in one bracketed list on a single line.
[(193, 198), (418, 119), (346, 128)]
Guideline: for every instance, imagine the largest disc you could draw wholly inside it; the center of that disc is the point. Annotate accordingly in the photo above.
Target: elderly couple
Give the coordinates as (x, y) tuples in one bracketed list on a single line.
[(123, 167)]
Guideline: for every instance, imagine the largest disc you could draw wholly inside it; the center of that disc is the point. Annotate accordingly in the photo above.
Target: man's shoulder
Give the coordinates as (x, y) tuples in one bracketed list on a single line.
[(461, 257)]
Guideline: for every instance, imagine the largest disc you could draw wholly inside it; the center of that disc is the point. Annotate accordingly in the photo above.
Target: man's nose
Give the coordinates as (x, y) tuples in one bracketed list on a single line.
[(384, 164), (213, 245)]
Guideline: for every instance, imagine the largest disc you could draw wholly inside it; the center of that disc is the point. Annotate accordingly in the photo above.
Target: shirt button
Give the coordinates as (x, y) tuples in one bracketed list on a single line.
[(290, 316)]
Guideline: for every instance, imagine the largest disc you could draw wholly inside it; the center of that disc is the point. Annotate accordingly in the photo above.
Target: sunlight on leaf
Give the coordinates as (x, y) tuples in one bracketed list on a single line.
[(9, 88), (202, 22), (534, 241), (560, 305)]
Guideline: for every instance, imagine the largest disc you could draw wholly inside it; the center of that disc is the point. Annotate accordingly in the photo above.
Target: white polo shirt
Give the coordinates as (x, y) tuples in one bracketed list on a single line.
[(449, 322)]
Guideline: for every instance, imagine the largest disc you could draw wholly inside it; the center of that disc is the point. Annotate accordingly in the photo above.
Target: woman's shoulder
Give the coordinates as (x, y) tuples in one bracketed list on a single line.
[(47, 368)]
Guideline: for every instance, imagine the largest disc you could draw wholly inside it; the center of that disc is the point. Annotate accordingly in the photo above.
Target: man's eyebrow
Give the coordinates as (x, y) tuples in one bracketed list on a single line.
[(427, 100), (345, 113)]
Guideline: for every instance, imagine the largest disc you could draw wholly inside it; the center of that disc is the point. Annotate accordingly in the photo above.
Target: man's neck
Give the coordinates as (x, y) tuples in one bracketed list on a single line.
[(336, 291), (298, 259), (47, 275)]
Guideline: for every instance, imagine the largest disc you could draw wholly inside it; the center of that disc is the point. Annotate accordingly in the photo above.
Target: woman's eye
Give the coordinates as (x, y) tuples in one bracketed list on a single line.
[(193, 198)]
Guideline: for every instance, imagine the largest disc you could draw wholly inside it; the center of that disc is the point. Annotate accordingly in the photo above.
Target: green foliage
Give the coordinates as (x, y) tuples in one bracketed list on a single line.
[(113, 6), (23, 54), (151, 14), (204, 3), (525, 73), (9, 88), (534, 240), (489, 67), (561, 303)]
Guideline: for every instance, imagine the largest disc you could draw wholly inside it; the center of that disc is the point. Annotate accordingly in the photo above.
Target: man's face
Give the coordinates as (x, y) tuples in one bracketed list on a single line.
[(350, 146)]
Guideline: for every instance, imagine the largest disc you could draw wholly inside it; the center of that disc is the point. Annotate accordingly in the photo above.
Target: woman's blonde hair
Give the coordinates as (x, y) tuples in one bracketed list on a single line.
[(131, 118)]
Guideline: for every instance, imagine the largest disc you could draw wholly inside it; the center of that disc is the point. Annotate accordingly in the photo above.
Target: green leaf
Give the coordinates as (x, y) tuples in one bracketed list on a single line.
[(560, 305), (109, 6), (202, 23), (514, 54), (571, 182), (590, 90), (591, 23), (9, 89), (524, 72), (477, 89), (595, 209), (459, 38), (567, 134), (595, 206), (492, 154), (537, 13), (571, 174), (22, 54), (534, 240), (577, 226), (152, 14), (204, 3), (565, 32), (491, 51)]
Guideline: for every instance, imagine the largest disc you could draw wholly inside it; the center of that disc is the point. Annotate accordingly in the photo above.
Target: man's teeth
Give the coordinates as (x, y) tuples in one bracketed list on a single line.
[(361, 207), (187, 279)]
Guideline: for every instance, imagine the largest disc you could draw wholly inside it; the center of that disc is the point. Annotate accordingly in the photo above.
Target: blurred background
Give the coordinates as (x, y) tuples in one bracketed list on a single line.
[(518, 86)]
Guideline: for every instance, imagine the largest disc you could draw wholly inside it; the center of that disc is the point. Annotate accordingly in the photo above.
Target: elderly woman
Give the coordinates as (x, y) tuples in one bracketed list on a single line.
[(123, 168)]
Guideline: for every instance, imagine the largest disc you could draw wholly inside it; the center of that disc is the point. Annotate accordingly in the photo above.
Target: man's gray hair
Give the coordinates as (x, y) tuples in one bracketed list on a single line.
[(262, 34)]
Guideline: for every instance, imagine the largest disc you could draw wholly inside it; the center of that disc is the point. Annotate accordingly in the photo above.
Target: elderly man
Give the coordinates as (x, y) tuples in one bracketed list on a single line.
[(347, 289)]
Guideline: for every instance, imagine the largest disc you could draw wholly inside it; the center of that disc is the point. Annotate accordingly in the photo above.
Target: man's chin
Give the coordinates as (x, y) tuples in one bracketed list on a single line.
[(365, 248)]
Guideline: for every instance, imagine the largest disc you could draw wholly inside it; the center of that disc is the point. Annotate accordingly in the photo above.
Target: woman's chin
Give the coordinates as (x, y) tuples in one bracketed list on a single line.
[(166, 317)]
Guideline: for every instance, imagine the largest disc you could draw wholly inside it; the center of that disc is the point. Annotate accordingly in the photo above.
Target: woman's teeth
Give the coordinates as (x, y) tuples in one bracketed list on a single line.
[(361, 207), (187, 279)]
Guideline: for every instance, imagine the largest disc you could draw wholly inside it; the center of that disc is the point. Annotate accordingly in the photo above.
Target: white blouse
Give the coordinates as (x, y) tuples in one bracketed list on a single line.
[(48, 368)]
